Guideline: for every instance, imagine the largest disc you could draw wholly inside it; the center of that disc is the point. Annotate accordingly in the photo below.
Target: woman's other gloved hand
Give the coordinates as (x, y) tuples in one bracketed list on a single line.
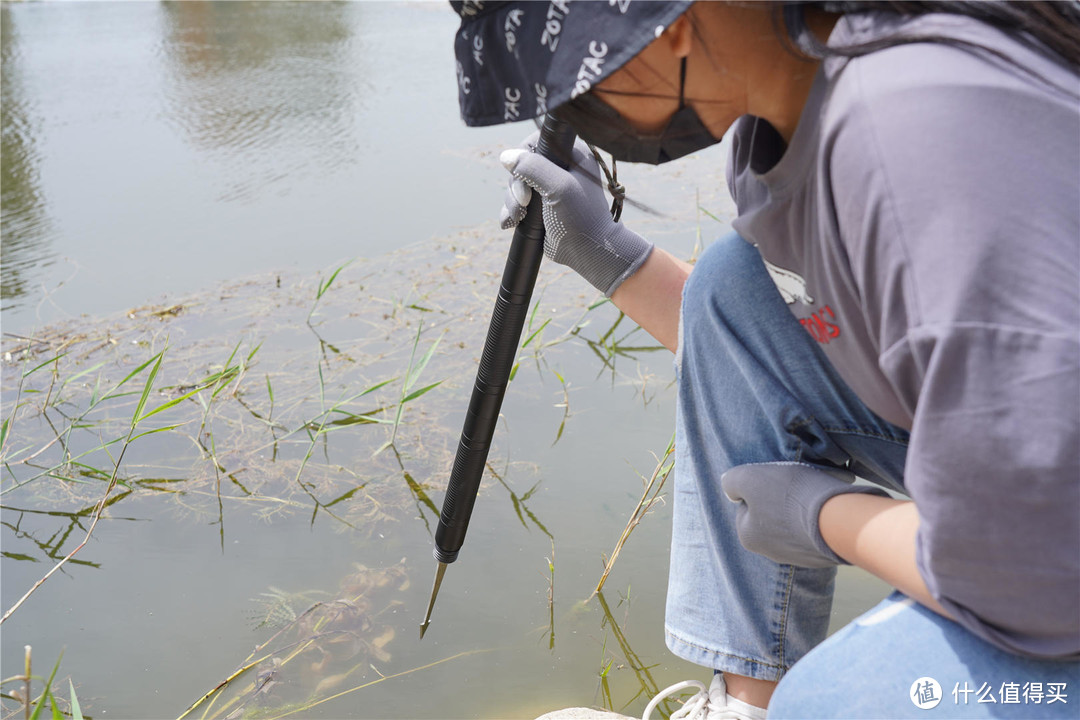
[(580, 231), (779, 505)]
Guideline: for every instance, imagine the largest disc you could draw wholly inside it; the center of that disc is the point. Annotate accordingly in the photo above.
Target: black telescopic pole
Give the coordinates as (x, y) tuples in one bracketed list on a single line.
[(556, 143)]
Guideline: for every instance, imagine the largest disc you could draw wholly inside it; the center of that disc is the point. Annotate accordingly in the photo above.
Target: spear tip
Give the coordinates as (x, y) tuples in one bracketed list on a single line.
[(439, 572)]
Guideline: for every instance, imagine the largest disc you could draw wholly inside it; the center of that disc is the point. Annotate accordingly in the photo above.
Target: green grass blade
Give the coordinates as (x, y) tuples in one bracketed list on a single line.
[(410, 374), (412, 357), (709, 214), (348, 494), (532, 315), (558, 435), (64, 478), (228, 362), (56, 714), (418, 491), (531, 491), (147, 386), (76, 711), (415, 374), (48, 684), (605, 336), (326, 430), (397, 422), (322, 388), (157, 430), (130, 375), (113, 395), (169, 404), (418, 393), (92, 471), (228, 371), (373, 388), (79, 374), (356, 419), (47, 362), (517, 509), (538, 331), (324, 286)]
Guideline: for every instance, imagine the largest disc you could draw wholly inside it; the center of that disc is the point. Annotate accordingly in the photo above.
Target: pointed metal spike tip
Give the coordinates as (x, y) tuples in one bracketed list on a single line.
[(434, 593)]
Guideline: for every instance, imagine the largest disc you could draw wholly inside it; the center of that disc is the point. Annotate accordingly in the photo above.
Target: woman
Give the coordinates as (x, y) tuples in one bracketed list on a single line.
[(910, 175)]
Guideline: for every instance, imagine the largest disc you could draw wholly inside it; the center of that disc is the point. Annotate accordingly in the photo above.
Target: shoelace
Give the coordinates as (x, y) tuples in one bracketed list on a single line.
[(696, 708)]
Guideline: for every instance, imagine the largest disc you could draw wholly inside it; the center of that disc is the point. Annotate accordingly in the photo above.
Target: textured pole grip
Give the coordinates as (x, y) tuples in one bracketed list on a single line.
[(500, 349)]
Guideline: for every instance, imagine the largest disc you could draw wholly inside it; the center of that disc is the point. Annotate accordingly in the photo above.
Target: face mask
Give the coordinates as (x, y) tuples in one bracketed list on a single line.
[(598, 123)]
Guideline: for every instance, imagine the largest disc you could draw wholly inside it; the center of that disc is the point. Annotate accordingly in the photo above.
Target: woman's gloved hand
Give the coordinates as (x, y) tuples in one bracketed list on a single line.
[(580, 231), (779, 504)]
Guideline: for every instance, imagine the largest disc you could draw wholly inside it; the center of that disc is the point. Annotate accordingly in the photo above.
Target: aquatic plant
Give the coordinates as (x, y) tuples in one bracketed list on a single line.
[(249, 414), (32, 706), (649, 497)]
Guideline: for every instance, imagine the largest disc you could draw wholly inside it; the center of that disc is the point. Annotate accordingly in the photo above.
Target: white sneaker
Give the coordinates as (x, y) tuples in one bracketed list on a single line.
[(712, 703)]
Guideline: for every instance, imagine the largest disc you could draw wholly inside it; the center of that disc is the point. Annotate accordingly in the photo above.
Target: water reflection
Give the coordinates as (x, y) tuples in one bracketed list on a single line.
[(208, 138), (648, 687), (263, 89), (24, 220)]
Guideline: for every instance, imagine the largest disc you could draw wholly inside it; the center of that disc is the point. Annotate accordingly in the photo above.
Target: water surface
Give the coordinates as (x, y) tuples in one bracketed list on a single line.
[(186, 174)]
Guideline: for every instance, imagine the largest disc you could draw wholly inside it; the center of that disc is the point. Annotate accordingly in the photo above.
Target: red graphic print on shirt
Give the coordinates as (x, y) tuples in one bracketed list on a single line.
[(820, 325)]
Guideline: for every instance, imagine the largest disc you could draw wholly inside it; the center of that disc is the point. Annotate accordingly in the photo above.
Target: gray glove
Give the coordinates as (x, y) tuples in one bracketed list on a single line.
[(779, 504), (580, 231)]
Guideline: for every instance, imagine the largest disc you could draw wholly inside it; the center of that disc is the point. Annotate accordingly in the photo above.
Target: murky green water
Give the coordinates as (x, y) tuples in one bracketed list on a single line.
[(185, 176)]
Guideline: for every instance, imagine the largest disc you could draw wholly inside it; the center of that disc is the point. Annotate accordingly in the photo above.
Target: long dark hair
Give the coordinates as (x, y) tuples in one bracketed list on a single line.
[(1050, 28)]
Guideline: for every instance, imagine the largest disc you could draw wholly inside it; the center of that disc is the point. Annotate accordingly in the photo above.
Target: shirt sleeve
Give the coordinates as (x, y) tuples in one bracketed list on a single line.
[(956, 200)]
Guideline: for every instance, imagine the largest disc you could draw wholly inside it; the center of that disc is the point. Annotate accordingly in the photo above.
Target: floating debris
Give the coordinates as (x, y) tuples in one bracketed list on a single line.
[(325, 648)]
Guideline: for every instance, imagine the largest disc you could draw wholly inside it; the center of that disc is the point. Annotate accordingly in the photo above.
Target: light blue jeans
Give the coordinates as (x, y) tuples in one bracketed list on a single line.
[(754, 386)]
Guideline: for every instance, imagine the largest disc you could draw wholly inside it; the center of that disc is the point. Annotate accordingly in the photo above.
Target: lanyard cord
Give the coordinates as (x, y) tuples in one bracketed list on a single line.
[(617, 189)]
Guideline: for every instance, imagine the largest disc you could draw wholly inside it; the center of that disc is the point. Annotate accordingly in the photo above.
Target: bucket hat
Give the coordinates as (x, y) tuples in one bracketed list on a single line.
[(517, 60)]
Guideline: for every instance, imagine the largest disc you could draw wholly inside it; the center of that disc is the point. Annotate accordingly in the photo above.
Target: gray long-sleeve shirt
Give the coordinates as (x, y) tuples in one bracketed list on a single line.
[(924, 225)]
